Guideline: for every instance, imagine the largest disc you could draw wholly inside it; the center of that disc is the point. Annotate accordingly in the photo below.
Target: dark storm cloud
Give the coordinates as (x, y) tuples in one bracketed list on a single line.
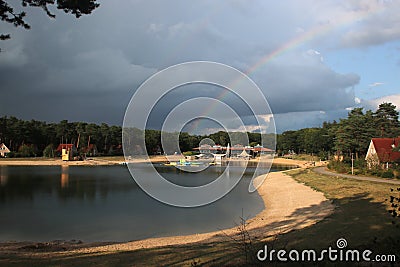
[(88, 69)]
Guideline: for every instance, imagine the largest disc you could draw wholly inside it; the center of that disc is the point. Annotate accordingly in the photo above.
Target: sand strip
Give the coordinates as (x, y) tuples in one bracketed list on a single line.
[(95, 161)]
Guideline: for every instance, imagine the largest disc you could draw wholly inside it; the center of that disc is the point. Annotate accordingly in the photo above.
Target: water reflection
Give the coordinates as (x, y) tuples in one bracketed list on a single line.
[(103, 203), (64, 176), (65, 183), (3, 175)]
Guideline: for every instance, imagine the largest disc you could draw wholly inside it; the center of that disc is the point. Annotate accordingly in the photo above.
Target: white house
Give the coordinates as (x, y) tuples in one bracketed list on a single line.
[(383, 151), (4, 150)]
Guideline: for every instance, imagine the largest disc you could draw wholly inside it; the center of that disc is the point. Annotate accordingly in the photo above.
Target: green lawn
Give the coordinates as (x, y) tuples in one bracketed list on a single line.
[(361, 215)]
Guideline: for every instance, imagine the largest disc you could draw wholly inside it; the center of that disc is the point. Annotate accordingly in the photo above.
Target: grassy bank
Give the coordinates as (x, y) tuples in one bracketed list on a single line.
[(361, 215)]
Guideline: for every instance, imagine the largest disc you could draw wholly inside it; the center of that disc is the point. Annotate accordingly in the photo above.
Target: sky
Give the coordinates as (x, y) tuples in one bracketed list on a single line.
[(313, 60)]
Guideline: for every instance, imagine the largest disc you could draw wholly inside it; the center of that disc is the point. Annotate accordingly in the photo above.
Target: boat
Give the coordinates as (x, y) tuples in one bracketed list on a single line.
[(184, 162)]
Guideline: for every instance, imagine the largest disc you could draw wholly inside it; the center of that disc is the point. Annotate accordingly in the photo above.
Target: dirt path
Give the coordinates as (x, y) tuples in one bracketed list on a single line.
[(323, 170)]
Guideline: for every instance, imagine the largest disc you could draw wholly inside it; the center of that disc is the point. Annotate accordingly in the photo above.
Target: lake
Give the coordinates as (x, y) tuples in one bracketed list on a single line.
[(103, 203)]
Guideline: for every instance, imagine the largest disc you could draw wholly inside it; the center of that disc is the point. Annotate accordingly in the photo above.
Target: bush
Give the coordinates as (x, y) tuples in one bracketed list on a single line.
[(48, 152), (360, 164), (323, 155), (189, 153), (339, 167), (359, 172), (387, 174), (10, 155), (26, 151)]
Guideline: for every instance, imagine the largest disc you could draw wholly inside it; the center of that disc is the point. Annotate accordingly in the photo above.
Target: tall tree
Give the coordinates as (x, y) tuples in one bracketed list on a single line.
[(387, 120), (288, 141), (354, 133)]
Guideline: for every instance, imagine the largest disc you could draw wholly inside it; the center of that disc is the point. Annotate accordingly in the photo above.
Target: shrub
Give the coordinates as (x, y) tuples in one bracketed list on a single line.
[(339, 166), (359, 172), (323, 155), (387, 174), (375, 172), (189, 153), (26, 151), (360, 164), (48, 152), (11, 155)]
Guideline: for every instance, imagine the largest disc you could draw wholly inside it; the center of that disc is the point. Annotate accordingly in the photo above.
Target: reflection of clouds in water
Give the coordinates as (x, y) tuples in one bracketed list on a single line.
[(64, 176), (3, 175), (117, 216)]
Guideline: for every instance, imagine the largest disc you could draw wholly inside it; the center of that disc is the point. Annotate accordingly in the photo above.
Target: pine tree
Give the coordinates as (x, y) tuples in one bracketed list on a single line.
[(387, 120)]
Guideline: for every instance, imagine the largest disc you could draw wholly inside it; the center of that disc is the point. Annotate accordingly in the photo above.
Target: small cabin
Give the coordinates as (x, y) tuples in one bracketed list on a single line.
[(66, 151)]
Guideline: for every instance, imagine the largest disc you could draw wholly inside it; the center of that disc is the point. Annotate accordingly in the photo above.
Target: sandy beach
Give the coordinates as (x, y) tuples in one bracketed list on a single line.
[(88, 162), (120, 159)]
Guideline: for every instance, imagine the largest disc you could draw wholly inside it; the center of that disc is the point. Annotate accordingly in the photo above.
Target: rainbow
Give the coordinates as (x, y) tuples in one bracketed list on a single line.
[(300, 39), (317, 31)]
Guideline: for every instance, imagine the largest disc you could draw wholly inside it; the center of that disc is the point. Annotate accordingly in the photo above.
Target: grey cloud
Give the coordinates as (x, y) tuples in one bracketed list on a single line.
[(379, 24), (306, 86), (94, 64)]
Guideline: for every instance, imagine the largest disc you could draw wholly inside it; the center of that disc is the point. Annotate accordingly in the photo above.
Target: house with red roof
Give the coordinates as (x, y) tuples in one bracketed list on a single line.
[(383, 152)]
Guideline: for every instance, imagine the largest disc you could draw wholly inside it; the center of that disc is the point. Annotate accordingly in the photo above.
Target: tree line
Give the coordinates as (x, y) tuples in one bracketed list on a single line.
[(37, 138), (351, 135), (31, 138)]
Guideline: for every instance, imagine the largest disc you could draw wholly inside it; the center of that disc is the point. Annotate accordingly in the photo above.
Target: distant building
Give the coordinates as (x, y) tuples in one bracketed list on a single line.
[(260, 150), (383, 152), (4, 150), (235, 151), (208, 149), (244, 154), (66, 151), (241, 151)]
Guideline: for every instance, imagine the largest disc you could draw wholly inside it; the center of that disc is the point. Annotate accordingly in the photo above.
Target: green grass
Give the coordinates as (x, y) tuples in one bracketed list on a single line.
[(361, 214), (305, 157)]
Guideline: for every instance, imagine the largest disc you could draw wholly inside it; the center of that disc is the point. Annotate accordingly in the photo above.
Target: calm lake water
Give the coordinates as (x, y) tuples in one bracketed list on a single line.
[(103, 203)]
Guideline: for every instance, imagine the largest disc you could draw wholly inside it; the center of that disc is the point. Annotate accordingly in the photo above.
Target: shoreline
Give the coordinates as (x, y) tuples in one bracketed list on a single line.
[(92, 161), (280, 215), (118, 160)]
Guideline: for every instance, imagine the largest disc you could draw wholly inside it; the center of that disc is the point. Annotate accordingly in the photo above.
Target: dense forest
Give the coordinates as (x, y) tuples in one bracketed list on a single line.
[(31, 138), (36, 138), (349, 135)]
